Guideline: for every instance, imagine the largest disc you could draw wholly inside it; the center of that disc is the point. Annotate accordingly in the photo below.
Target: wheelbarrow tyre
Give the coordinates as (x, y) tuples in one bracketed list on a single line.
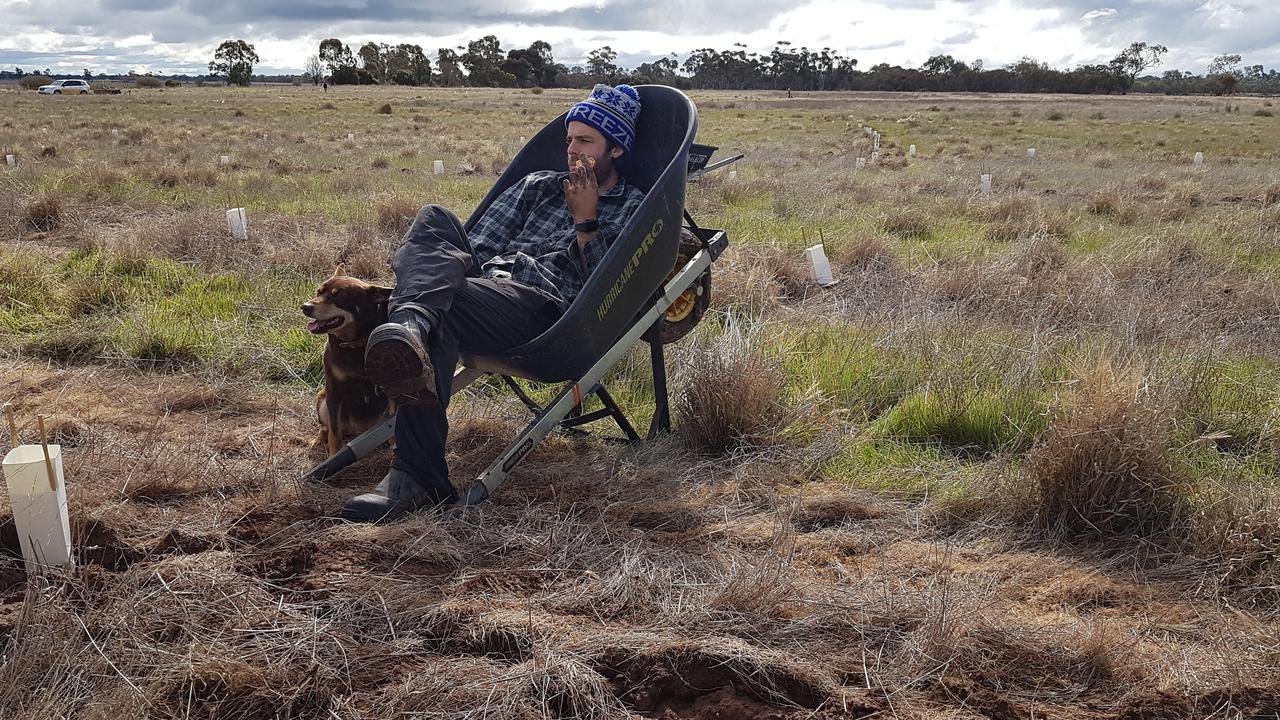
[(685, 314)]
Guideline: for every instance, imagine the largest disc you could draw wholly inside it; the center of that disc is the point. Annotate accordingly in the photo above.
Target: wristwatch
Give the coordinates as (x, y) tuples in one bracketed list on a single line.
[(589, 226)]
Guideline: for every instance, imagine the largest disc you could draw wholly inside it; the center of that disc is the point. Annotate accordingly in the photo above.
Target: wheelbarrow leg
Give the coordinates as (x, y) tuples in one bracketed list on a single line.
[(661, 422), (571, 396)]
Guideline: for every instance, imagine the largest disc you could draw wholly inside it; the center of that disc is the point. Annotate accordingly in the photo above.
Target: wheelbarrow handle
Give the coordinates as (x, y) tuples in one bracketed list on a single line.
[(715, 166)]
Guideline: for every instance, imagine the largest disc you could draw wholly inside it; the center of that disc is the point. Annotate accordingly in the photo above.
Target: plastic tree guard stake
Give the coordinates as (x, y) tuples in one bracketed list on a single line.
[(224, 160), (819, 266), (733, 174), (238, 223), (11, 160), (351, 136), (985, 183), (437, 167), (911, 151), (1198, 160), (860, 163), (1031, 153), (33, 477)]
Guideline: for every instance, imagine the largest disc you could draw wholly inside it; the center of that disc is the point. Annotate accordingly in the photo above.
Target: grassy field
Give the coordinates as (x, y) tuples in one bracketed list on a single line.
[(1020, 462)]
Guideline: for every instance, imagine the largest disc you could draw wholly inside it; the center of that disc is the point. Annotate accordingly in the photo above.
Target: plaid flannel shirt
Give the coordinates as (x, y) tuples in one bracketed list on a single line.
[(527, 234)]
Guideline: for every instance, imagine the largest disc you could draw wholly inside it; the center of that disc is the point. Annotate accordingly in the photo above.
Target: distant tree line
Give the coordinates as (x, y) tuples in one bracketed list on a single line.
[(484, 63)]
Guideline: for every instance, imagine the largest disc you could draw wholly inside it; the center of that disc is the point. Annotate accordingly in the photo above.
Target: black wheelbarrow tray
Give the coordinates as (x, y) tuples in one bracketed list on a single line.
[(653, 278)]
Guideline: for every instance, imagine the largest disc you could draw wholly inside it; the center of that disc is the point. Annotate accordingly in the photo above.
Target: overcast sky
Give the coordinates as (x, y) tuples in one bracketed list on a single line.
[(176, 36)]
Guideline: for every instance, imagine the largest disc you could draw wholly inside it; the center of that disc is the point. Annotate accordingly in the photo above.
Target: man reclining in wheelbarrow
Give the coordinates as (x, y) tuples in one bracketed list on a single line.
[(498, 287)]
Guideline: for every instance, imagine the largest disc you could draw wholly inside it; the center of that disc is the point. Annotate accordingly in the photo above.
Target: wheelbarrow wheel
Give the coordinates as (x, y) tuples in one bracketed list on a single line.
[(687, 311)]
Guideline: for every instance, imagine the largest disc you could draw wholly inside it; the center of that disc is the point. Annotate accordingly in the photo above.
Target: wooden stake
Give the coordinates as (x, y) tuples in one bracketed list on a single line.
[(48, 463), (13, 426)]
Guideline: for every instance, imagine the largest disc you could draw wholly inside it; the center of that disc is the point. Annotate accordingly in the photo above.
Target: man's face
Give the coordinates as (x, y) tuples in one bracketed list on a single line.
[(585, 141)]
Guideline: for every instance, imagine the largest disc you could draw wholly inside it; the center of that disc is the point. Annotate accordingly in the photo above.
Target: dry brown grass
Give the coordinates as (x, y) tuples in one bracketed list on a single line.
[(1271, 196), (1238, 534), (44, 213), (176, 176), (1104, 203), (1019, 218), (396, 214), (733, 394), (865, 252), (761, 276), (1104, 469), (236, 596), (910, 224)]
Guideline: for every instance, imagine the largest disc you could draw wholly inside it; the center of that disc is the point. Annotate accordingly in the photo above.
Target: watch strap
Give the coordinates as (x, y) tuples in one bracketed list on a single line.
[(588, 226)]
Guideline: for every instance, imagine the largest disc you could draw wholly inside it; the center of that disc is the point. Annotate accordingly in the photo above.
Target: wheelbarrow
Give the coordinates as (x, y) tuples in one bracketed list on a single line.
[(653, 285)]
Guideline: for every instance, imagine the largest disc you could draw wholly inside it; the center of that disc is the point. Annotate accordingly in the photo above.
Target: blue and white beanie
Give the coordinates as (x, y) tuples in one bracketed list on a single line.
[(612, 111)]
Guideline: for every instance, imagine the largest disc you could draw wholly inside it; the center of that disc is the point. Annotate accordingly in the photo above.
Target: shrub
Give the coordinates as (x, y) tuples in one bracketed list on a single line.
[(396, 214), (1271, 195), (33, 82), (1152, 183), (1263, 113), (1103, 203), (385, 109), (44, 214), (536, 90), (1055, 115), (148, 81), (1095, 116), (733, 394), (134, 136), (1104, 470), (1240, 534), (172, 83), (907, 224)]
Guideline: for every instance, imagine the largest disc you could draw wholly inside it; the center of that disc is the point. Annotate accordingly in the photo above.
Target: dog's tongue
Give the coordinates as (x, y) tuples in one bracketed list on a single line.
[(313, 326)]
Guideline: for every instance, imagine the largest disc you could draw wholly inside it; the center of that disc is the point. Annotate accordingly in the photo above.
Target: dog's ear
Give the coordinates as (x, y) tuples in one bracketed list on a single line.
[(339, 272)]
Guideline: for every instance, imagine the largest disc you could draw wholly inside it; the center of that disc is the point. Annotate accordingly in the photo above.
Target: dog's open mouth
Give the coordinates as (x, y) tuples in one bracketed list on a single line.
[(318, 327)]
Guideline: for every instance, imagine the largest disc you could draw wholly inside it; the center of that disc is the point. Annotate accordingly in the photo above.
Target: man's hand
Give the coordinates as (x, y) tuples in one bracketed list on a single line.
[(580, 191)]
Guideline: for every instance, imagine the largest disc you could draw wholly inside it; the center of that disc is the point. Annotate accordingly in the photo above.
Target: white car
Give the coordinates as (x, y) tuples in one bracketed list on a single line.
[(67, 87)]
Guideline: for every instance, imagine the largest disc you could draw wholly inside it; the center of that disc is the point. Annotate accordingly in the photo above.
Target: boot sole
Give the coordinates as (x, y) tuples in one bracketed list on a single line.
[(395, 366)]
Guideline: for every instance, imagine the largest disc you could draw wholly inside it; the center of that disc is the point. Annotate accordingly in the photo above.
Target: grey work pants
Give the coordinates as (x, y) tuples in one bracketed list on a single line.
[(438, 284)]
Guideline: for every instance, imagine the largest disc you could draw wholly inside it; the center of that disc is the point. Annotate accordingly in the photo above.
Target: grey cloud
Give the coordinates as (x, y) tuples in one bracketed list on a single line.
[(1182, 25), (967, 36), (879, 46), (291, 18)]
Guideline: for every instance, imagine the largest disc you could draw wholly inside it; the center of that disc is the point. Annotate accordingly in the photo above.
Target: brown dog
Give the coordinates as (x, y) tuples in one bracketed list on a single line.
[(347, 310)]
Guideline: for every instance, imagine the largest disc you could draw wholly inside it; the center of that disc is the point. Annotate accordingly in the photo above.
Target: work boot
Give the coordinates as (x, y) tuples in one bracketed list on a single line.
[(396, 496), (396, 360)]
